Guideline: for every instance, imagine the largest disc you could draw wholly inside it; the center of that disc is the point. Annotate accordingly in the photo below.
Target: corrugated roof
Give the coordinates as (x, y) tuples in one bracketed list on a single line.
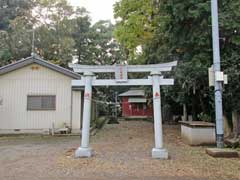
[(36, 59), (135, 92)]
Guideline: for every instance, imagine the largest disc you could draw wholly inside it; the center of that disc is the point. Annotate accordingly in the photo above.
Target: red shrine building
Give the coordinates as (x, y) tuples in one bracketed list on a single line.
[(134, 104)]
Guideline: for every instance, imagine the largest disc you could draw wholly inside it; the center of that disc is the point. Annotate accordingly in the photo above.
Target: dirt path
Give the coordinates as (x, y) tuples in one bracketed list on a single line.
[(123, 151)]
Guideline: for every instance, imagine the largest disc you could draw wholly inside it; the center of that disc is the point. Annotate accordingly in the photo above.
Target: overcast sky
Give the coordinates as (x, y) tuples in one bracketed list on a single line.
[(99, 9)]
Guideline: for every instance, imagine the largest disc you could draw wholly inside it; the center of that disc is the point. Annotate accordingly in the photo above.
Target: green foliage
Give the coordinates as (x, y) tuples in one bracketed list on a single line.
[(10, 9), (100, 121), (183, 33), (14, 23), (5, 55), (135, 25), (230, 48), (62, 34), (54, 31), (81, 35), (181, 30), (19, 37), (104, 49), (204, 117)]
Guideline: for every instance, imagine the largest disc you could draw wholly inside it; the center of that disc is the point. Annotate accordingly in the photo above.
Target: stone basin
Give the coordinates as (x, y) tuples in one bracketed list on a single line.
[(198, 132)]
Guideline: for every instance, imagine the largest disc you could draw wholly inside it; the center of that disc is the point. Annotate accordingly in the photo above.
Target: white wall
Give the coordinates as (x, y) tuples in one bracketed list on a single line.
[(16, 85)]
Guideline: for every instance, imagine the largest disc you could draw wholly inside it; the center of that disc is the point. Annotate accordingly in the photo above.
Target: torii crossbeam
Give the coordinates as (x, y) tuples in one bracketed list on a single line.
[(121, 79)]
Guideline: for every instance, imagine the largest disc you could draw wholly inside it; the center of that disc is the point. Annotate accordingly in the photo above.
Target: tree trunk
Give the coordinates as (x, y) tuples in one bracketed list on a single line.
[(167, 115), (227, 129), (203, 105), (184, 112), (236, 124), (79, 55), (194, 108)]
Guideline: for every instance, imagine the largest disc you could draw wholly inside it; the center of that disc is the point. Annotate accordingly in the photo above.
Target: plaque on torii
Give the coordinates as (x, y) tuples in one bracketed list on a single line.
[(121, 79)]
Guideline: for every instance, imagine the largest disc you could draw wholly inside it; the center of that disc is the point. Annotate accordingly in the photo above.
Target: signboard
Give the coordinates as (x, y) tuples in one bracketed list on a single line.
[(218, 76), (121, 73)]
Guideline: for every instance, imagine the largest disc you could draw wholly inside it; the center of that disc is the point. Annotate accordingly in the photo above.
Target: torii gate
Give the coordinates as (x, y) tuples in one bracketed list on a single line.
[(121, 79)]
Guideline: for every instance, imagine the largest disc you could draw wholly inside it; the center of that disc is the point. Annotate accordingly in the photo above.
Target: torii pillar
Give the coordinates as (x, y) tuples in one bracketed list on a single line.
[(158, 151), (84, 150)]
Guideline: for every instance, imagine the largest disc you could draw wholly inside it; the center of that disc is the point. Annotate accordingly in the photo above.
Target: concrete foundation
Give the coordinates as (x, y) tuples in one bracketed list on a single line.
[(159, 153), (24, 131), (83, 152), (45, 131)]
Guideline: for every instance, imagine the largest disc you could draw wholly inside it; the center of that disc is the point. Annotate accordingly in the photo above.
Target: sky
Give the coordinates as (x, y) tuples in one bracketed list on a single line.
[(99, 9)]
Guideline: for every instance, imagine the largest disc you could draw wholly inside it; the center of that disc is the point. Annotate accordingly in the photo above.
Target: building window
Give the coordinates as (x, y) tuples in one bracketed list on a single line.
[(41, 103)]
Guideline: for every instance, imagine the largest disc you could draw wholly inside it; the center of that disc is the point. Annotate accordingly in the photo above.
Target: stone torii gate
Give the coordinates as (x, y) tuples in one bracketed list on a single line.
[(121, 79)]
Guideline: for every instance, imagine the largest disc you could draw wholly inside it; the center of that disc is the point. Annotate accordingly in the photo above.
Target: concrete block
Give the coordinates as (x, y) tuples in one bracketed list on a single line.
[(159, 153), (83, 152), (222, 153)]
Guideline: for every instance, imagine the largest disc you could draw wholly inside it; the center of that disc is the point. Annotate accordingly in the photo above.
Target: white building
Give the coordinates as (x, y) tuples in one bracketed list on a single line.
[(36, 95)]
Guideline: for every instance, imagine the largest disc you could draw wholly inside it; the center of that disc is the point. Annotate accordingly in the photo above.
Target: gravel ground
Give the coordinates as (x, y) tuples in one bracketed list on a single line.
[(122, 151)]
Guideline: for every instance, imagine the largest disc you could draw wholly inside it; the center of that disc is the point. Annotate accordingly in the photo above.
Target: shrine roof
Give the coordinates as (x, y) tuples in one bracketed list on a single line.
[(134, 92)]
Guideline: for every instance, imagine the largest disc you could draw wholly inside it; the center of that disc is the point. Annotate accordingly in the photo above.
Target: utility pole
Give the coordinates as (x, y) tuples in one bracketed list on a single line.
[(217, 70)]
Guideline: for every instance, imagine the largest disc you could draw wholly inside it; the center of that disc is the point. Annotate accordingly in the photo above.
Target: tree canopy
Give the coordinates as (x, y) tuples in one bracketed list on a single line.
[(181, 30), (63, 33)]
